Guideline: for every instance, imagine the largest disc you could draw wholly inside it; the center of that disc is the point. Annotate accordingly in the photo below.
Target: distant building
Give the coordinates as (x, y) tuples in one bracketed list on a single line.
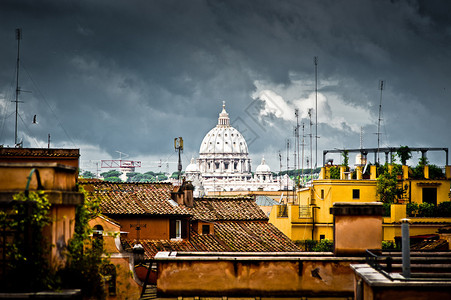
[(224, 164)]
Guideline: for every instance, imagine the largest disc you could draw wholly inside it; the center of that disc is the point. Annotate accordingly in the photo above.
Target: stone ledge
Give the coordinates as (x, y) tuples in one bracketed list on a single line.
[(357, 209)]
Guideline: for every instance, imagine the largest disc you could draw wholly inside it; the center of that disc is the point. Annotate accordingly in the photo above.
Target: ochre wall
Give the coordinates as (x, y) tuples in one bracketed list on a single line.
[(355, 234), (126, 286), (254, 278), (61, 230)]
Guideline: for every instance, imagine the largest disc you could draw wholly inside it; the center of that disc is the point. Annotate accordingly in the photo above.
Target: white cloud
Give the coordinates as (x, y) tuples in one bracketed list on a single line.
[(332, 109)]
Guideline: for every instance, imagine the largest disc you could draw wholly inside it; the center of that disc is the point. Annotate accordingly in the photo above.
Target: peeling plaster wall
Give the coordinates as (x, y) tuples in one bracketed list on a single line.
[(255, 278)]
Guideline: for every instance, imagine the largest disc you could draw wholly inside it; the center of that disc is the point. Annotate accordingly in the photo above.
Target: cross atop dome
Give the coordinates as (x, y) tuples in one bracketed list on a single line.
[(223, 120)]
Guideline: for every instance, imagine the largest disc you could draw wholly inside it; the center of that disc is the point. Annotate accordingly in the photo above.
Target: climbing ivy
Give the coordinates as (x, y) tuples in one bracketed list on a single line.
[(27, 251), (85, 256)]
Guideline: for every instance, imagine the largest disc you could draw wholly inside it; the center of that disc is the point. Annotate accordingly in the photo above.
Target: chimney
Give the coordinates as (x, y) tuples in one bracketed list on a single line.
[(183, 194), (349, 219)]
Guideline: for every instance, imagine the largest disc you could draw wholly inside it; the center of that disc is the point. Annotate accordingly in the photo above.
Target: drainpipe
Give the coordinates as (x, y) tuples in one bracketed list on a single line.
[(405, 248), (313, 221)]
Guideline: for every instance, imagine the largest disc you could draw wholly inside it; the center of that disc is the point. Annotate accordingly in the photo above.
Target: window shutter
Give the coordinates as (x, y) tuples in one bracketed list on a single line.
[(172, 229), (185, 229)]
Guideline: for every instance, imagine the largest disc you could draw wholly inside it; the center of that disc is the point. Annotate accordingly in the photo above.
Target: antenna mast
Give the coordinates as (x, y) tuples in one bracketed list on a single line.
[(18, 38), (315, 60), (296, 113), (303, 143), (288, 168), (178, 145), (381, 87), (280, 170), (311, 145)]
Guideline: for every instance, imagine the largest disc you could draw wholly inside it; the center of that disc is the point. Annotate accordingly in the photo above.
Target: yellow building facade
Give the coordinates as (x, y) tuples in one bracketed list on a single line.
[(309, 218)]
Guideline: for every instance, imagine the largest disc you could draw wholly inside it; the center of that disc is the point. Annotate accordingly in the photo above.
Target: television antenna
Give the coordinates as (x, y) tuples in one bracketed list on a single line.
[(381, 87)]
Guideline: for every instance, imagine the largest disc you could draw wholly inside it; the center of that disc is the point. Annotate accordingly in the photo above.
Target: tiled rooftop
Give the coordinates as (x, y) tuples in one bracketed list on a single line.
[(227, 209), (239, 224), (133, 198), (228, 237)]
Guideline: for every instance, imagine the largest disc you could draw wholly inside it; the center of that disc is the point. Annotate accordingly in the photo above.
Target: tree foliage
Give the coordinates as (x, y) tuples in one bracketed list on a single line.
[(345, 155), (404, 154), (88, 174), (112, 176), (387, 188)]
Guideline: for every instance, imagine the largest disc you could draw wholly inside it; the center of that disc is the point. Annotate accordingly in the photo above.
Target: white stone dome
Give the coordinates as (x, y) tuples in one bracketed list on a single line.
[(192, 167), (223, 138), (263, 168)]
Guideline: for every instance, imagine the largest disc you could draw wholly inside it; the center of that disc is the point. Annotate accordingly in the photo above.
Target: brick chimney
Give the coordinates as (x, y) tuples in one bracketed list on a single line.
[(183, 194), (349, 221)]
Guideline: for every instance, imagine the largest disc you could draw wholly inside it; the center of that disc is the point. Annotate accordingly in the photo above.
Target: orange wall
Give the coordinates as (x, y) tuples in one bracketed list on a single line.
[(157, 229)]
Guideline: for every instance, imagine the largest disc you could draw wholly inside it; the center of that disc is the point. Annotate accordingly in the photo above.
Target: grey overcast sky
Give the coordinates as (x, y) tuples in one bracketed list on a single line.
[(129, 76)]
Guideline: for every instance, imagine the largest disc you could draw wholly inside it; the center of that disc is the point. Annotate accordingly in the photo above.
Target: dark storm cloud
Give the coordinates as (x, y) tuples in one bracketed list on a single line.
[(132, 75)]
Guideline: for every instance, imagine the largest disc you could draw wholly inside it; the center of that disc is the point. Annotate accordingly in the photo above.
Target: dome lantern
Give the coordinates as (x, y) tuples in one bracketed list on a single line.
[(223, 119)]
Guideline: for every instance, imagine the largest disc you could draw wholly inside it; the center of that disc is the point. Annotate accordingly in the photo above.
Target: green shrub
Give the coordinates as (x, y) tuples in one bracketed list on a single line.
[(444, 209), (386, 209), (388, 245), (306, 245), (426, 210), (324, 245), (334, 173), (412, 209), (435, 172)]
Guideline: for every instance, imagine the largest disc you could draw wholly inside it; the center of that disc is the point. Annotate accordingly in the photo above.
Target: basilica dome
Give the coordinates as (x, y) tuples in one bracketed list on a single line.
[(223, 152), (192, 167), (223, 138), (263, 168)]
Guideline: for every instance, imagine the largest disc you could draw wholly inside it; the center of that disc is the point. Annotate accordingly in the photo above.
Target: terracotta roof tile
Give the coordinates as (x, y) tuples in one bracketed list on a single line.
[(227, 209), (134, 198), (228, 237)]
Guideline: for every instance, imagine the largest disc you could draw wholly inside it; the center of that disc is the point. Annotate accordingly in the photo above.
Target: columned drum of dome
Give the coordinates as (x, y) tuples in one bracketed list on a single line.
[(223, 152), (224, 164)]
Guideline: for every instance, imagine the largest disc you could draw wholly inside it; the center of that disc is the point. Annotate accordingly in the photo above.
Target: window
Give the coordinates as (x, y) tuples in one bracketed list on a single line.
[(430, 195), (178, 229), (322, 237), (97, 237), (205, 229), (356, 194), (322, 194)]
